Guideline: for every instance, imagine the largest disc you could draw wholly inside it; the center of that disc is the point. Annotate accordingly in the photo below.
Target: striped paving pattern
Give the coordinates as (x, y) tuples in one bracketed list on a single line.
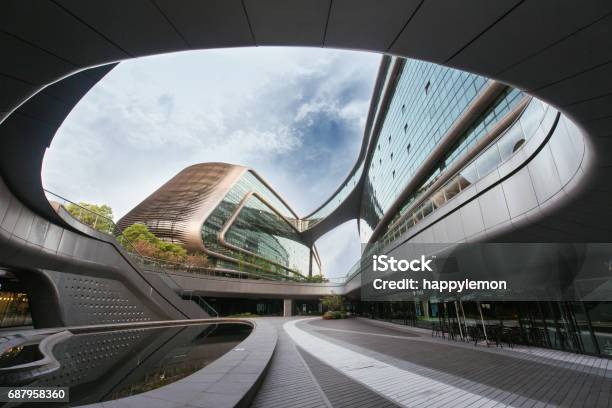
[(341, 391), (458, 374), (598, 365), (361, 363), (288, 382), (402, 386)]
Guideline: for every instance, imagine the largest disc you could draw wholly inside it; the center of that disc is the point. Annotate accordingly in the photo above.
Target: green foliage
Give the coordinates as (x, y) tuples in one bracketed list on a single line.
[(245, 314), (171, 251), (140, 232), (316, 279), (333, 315), (333, 303), (147, 244), (96, 216)]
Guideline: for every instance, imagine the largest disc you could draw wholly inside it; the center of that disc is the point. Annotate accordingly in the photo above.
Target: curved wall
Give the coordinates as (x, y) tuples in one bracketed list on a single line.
[(548, 169), (43, 42), (92, 278)]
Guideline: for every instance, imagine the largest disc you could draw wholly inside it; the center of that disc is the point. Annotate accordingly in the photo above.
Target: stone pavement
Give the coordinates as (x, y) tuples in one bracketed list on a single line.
[(358, 362)]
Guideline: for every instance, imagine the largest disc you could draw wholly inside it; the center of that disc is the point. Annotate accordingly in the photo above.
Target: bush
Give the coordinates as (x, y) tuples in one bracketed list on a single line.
[(316, 279), (334, 315), (88, 214), (139, 232), (245, 314), (147, 244), (196, 261), (333, 302)]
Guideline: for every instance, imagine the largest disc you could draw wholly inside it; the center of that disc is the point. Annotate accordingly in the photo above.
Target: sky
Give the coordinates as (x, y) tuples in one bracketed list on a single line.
[(295, 115)]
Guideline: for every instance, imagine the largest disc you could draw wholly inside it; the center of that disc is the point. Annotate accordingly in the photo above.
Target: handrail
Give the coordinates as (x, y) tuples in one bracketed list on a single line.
[(426, 203), (401, 225), (106, 225), (82, 210)]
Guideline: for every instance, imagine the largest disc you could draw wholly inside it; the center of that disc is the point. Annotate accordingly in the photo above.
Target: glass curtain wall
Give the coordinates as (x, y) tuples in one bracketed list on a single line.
[(577, 327), (428, 100), (269, 246)]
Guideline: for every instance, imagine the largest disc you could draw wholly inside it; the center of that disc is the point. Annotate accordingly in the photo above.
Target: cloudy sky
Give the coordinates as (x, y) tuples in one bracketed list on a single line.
[(296, 115)]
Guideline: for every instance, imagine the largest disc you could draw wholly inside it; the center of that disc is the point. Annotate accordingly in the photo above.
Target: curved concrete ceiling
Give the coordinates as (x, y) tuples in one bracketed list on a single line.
[(558, 50)]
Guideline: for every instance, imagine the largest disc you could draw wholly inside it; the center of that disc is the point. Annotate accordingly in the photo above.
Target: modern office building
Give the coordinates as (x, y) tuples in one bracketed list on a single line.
[(451, 157), (232, 215), (479, 162)]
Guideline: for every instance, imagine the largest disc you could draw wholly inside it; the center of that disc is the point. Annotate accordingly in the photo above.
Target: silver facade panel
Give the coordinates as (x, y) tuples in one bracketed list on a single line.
[(519, 193), (454, 227), (544, 175), (493, 207), (471, 218)]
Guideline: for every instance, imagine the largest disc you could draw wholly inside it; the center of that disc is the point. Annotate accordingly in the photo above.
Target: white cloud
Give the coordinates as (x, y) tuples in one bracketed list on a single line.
[(295, 115)]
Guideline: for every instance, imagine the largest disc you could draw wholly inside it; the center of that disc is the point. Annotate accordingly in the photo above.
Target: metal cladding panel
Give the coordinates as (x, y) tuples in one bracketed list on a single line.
[(519, 192), (524, 33), (600, 128), (575, 89), (440, 233), (363, 24), (56, 31), (4, 204), (115, 20), (493, 207), (564, 151), (210, 23), (47, 109), (30, 64), (24, 223), (176, 211), (448, 25), (11, 90), (471, 216), (595, 108), (454, 227), (281, 22), (53, 238), (554, 59), (544, 175), (11, 216)]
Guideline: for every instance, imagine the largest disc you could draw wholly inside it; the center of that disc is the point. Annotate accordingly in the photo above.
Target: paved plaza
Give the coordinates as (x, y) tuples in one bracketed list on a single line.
[(364, 363)]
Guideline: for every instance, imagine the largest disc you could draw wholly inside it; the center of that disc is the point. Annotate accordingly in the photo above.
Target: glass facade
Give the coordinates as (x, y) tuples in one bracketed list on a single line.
[(428, 100), (536, 116), (335, 201), (14, 309), (578, 327), (261, 231), (262, 239)]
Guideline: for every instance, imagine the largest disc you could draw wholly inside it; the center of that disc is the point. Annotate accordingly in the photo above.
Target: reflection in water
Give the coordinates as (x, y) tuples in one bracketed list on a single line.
[(20, 355), (116, 364)]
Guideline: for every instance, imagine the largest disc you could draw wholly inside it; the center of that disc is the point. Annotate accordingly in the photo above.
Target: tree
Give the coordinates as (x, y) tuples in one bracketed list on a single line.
[(99, 217), (147, 244), (333, 303), (196, 260), (143, 248), (316, 279), (171, 252), (140, 232)]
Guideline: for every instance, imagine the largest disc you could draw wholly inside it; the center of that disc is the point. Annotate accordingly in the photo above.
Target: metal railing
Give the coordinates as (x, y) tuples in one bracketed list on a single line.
[(511, 140), (107, 226)]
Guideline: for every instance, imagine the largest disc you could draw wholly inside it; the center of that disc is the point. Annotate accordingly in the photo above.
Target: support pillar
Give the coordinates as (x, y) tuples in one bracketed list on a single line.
[(287, 307), (426, 309)]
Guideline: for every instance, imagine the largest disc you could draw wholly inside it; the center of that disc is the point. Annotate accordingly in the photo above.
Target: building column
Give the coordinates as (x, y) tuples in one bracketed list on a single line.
[(426, 309), (287, 307)]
